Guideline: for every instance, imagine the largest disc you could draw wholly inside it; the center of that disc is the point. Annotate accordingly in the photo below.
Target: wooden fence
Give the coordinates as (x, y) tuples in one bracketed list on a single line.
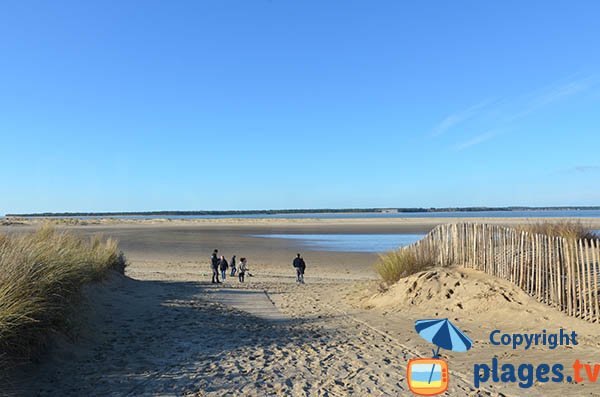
[(560, 272)]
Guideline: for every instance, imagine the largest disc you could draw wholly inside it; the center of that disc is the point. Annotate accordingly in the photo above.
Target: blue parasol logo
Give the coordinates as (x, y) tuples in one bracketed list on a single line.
[(428, 377), (442, 333)]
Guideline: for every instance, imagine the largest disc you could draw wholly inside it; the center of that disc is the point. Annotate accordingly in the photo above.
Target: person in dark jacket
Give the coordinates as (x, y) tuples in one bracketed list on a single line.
[(300, 266), (214, 265), (223, 266), (233, 268)]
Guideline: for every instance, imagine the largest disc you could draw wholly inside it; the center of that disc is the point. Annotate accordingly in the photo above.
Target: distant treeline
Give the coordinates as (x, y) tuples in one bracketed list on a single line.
[(299, 211)]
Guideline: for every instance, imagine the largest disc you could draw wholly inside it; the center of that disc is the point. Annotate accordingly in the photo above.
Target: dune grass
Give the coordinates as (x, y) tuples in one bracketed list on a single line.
[(568, 229), (394, 265), (41, 274)]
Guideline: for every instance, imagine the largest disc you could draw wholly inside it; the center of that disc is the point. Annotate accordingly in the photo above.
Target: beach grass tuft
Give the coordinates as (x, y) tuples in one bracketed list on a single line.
[(41, 274), (394, 265), (569, 229)]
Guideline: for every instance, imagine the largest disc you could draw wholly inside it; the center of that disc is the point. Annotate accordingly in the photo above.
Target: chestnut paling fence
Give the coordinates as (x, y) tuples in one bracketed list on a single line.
[(562, 273)]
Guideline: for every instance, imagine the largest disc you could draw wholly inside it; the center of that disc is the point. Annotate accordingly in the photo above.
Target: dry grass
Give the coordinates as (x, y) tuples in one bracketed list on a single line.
[(41, 275), (394, 265), (567, 229)]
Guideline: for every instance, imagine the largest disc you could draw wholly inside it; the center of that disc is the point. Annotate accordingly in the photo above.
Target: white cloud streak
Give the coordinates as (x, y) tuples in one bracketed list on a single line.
[(508, 113), (476, 140), (457, 118), (586, 168), (551, 95)]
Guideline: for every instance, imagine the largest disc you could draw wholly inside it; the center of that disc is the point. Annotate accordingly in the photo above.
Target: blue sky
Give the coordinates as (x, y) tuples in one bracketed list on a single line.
[(154, 105)]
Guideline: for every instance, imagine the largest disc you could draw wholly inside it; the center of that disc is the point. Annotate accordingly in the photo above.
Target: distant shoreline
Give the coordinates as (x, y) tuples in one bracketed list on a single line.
[(305, 211), (264, 225)]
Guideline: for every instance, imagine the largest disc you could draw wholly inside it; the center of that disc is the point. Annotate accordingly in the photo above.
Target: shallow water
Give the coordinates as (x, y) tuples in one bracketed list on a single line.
[(350, 242)]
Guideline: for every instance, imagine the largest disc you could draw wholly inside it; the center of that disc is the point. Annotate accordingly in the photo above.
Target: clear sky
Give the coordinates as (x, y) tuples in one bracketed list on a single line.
[(184, 105)]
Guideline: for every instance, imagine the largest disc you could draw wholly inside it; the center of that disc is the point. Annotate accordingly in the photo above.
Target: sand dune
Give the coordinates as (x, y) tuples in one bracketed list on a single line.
[(453, 291), (478, 304)]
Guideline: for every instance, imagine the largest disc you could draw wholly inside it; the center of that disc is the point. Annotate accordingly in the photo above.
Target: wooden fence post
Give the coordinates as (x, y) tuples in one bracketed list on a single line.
[(560, 272), (588, 278), (595, 264), (569, 279)]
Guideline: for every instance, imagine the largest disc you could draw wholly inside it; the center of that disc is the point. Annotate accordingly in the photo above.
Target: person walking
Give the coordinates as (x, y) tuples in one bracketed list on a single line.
[(302, 269), (223, 266), (214, 265), (233, 268), (243, 269), (300, 266)]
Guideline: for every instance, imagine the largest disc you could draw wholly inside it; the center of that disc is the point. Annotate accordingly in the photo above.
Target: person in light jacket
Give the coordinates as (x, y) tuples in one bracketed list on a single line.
[(243, 269)]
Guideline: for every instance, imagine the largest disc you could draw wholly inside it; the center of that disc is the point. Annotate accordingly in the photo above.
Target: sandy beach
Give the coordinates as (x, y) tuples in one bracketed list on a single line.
[(164, 329)]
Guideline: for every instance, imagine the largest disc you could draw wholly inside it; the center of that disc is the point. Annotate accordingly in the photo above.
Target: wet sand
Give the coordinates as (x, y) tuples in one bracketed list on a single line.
[(162, 241)]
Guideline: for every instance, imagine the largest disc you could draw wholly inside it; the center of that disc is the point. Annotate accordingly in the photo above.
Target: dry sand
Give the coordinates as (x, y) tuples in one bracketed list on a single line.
[(164, 330)]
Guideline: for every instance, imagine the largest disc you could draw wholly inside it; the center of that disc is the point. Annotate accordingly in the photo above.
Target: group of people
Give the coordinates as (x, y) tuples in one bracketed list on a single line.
[(219, 265)]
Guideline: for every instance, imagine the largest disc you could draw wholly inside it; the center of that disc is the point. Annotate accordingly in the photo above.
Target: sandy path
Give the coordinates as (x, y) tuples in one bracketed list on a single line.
[(174, 338)]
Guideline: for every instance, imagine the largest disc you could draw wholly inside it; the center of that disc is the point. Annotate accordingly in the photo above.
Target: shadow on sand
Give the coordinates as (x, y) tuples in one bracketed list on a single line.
[(161, 337)]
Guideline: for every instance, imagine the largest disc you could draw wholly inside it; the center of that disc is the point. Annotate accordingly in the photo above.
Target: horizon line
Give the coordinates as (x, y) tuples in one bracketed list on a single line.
[(302, 210)]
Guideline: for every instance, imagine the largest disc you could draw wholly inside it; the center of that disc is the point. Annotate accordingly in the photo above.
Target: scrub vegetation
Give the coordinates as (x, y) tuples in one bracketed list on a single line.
[(41, 275), (568, 229), (394, 265)]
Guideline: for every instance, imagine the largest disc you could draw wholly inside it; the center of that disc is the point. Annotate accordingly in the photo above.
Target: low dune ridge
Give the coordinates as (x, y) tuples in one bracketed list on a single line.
[(452, 291)]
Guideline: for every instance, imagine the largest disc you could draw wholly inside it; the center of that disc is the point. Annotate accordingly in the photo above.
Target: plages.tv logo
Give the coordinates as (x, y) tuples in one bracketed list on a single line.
[(429, 376)]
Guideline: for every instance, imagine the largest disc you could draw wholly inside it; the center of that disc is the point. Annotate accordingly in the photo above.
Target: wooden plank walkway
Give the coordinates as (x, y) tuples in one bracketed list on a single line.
[(253, 301)]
